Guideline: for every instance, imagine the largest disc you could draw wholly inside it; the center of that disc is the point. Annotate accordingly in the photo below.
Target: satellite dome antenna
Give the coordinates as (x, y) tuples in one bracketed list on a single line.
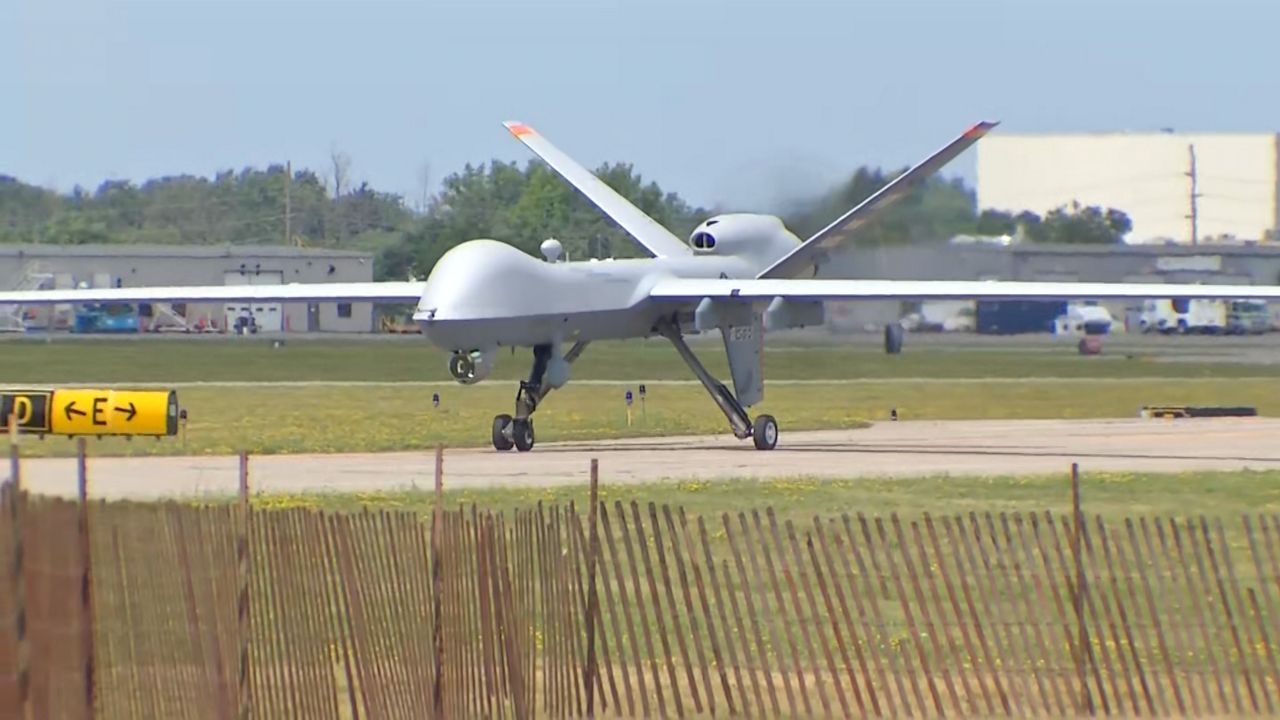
[(551, 249)]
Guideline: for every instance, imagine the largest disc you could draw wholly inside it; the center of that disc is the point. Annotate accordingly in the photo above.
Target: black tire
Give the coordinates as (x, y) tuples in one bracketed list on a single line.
[(764, 432), (893, 338), (522, 434), (500, 439)]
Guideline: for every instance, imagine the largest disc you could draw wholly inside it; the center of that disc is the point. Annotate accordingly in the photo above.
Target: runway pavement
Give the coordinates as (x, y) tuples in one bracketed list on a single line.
[(1003, 447)]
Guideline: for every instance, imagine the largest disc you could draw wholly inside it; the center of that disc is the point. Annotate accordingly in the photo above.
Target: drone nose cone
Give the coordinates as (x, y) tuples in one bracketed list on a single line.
[(478, 279)]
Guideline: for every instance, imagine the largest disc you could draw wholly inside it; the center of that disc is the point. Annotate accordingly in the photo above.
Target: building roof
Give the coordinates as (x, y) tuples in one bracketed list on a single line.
[(1143, 133), (178, 251), (1148, 249)]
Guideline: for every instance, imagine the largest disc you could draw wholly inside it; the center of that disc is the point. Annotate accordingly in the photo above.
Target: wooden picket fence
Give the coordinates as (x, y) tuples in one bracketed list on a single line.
[(627, 610)]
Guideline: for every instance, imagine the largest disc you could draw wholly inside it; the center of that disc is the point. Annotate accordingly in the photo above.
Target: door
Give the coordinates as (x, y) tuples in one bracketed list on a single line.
[(267, 317)]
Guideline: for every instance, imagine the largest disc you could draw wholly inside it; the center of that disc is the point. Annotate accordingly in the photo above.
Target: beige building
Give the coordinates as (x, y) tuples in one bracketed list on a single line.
[(30, 267), (1147, 175)]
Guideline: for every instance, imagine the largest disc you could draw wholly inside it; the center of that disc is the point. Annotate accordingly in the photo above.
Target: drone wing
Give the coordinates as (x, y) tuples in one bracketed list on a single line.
[(295, 292), (811, 253), (693, 290), (648, 232)]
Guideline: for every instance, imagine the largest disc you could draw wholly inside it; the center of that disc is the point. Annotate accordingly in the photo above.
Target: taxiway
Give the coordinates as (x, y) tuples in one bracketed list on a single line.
[(889, 449)]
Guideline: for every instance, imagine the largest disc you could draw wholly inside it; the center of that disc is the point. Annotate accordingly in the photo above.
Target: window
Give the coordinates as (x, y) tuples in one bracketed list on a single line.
[(344, 310)]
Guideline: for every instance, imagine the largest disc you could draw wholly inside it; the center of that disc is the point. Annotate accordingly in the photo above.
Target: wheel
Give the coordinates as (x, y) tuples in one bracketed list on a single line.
[(501, 441), (522, 434), (764, 432)]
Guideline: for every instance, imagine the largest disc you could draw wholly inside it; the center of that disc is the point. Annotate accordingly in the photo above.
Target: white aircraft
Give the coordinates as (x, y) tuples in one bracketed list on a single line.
[(741, 274)]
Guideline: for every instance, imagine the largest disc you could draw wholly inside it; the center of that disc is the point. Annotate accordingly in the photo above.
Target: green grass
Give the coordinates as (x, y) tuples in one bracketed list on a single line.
[(389, 417), (370, 394), (1111, 495), (401, 359)]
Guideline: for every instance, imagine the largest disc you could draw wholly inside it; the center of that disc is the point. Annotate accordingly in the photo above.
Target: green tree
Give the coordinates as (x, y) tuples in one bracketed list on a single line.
[(75, 229), (1074, 224), (934, 211), (996, 223), (526, 206)]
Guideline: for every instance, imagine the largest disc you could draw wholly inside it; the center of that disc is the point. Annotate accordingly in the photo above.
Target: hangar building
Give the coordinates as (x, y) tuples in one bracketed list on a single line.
[(1147, 175), (1218, 263), (33, 267)]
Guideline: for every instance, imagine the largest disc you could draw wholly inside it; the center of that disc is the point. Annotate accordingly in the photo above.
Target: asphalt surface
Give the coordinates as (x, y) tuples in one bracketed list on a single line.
[(889, 449)]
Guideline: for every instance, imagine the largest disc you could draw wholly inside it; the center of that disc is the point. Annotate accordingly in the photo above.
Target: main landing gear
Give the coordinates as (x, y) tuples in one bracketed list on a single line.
[(517, 431), (763, 431)]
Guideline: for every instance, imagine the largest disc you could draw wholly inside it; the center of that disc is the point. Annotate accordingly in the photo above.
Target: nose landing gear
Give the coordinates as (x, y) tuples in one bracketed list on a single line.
[(517, 431)]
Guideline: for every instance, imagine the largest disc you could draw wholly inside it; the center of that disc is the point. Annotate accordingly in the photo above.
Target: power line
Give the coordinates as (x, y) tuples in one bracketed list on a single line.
[(1194, 216), (288, 216)]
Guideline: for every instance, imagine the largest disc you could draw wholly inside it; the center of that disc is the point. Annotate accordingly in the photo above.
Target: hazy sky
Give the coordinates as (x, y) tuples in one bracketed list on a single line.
[(741, 103)]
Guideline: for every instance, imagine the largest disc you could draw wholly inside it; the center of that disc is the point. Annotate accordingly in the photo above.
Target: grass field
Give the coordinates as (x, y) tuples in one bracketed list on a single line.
[(405, 359), (1110, 495), (374, 395)]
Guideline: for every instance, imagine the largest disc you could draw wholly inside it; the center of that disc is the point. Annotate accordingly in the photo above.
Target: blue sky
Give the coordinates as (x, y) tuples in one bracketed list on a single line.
[(743, 104)]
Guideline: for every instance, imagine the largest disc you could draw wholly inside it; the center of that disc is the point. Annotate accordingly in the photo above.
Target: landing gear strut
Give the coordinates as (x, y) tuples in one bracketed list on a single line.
[(517, 431), (763, 431)]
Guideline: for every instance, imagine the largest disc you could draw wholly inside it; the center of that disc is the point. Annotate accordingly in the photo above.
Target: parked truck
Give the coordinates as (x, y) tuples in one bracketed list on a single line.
[(105, 318), (1248, 317), (1184, 316)]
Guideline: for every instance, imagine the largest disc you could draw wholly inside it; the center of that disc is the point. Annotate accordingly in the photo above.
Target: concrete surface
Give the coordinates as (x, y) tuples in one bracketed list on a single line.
[(887, 449)]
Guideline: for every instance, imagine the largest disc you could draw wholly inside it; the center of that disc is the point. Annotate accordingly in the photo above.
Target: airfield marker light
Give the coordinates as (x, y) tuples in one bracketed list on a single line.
[(628, 407), (893, 414), (435, 400), (642, 394)]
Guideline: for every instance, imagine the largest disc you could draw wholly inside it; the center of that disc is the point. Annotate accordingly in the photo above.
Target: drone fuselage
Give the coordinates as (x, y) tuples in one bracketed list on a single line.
[(484, 293)]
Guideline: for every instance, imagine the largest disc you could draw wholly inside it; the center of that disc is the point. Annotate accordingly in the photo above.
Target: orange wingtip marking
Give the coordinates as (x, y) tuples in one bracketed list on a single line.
[(979, 129), (519, 128)]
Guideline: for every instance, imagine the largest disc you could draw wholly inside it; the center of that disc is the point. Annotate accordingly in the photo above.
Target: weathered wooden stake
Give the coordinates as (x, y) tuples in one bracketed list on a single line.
[(593, 553), (86, 579), (437, 513), (1077, 524), (242, 604), (18, 572)]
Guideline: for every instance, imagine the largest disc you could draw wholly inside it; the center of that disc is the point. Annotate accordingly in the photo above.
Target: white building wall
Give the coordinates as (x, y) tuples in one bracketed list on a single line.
[(137, 266), (1143, 174)]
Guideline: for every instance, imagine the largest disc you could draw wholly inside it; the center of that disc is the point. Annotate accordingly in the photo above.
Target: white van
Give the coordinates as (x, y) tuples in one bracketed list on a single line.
[(1083, 319)]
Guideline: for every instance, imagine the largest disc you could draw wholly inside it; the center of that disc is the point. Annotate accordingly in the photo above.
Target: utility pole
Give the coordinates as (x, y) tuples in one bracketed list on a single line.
[(1194, 216), (288, 214)]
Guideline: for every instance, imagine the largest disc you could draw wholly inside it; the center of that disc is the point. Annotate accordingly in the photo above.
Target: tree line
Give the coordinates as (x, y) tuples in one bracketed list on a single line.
[(522, 205)]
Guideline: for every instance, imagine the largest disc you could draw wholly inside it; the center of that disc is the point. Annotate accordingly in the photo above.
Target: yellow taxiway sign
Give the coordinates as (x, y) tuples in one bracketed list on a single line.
[(83, 411)]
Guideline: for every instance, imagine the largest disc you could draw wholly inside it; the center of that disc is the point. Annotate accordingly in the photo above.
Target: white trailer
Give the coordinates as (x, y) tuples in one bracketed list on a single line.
[(1183, 316)]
